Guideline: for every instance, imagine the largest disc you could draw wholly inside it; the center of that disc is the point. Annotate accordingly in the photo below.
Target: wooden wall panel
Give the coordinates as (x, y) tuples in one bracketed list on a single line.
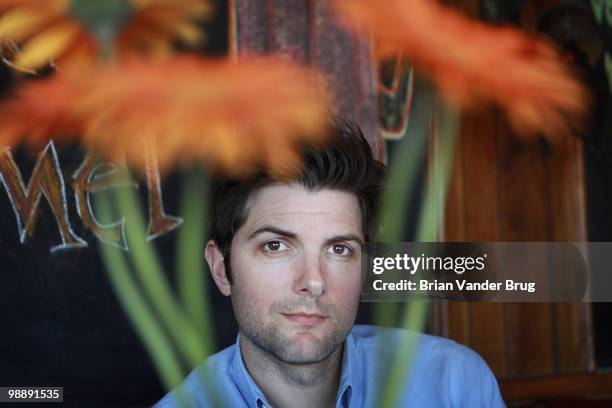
[(249, 31), (289, 29), (457, 314), (512, 191), (479, 164), (568, 223), (332, 51), (524, 217), (366, 104), (308, 33), (474, 208), (587, 389), (473, 215), (506, 190)]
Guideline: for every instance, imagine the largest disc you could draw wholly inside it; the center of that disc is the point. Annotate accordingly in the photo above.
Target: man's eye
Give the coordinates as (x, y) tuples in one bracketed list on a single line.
[(274, 246), (341, 250)]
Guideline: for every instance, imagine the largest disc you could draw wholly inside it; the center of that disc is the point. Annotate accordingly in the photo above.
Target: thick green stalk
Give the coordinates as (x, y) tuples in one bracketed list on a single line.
[(402, 177), (404, 168), (104, 19), (414, 321), (432, 213), (153, 279), (430, 222), (191, 273), (146, 324)]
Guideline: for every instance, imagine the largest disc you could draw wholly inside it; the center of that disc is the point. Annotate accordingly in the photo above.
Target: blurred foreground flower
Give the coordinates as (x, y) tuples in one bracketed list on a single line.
[(74, 33), (473, 63), (228, 113)]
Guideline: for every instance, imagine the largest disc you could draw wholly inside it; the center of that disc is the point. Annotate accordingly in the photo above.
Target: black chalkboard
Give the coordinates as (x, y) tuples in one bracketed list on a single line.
[(61, 322)]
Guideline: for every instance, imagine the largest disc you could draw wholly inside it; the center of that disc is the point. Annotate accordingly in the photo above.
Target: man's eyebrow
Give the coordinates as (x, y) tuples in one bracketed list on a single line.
[(293, 235), (273, 230), (347, 237)]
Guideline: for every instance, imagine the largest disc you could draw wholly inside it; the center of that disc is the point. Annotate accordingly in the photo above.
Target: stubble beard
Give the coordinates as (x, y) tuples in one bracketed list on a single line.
[(271, 339)]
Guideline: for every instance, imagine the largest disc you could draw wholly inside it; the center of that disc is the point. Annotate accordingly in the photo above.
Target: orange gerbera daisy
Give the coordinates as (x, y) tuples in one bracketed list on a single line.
[(157, 24), (474, 63), (228, 113), (36, 32), (40, 110)]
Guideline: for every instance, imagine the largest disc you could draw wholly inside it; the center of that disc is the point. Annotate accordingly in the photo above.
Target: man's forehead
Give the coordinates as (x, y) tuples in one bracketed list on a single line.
[(293, 205)]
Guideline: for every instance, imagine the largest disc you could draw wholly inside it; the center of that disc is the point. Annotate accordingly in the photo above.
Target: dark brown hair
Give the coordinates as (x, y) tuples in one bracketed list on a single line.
[(345, 163)]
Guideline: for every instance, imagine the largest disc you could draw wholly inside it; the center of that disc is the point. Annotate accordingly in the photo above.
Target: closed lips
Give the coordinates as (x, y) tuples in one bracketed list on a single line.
[(305, 318)]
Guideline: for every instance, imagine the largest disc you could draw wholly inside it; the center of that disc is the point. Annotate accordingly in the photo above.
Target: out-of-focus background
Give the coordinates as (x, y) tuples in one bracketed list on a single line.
[(63, 326)]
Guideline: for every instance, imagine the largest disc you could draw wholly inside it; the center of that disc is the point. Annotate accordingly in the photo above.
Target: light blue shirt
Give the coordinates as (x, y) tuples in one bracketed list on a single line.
[(441, 373)]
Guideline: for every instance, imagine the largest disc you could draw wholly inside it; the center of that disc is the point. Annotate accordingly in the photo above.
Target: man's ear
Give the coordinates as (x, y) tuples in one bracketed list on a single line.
[(216, 263)]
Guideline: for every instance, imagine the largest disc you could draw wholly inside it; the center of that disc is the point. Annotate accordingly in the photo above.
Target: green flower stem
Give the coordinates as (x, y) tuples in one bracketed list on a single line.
[(146, 324), (191, 274), (430, 221), (414, 320), (104, 19), (435, 197), (151, 275), (404, 168)]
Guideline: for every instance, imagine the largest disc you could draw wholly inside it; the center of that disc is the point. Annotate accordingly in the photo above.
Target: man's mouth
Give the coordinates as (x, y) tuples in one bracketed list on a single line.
[(308, 319)]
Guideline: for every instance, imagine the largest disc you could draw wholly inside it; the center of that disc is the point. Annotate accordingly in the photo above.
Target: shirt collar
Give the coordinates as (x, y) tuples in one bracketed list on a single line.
[(249, 390), (350, 374), (349, 377)]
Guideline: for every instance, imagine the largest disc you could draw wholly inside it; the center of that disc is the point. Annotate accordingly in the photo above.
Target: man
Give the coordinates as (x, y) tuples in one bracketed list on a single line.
[(288, 254)]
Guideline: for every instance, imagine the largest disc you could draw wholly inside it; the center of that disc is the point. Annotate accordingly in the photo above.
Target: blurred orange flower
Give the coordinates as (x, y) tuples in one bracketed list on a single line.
[(234, 114), (473, 63), (157, 24), (39, 110), (34, 33)]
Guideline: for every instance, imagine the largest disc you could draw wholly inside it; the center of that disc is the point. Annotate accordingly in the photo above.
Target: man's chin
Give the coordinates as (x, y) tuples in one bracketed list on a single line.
[(303, 357), (304, 348), (296, 344)]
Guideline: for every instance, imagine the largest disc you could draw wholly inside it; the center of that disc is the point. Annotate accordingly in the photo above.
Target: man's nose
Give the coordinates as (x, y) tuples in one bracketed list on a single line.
[(310, 279)]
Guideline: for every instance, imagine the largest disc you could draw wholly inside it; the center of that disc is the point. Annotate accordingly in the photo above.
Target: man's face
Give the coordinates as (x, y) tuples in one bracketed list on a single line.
[(296, 271)]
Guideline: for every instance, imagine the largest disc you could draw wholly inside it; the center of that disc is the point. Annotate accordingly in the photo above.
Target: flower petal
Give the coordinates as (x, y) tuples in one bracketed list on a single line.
[(46, 46), (473, 63), (19, 23)]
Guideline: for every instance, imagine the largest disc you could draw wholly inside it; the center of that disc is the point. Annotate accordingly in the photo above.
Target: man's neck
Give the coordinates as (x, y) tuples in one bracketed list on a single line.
[(293, 385)]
